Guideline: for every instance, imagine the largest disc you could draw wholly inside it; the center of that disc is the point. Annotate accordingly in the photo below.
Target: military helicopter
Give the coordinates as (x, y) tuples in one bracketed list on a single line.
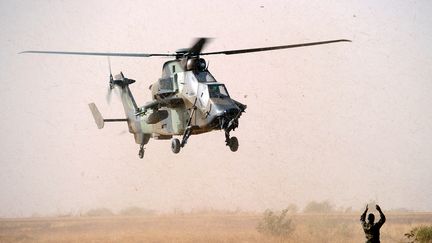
[(187, 100)]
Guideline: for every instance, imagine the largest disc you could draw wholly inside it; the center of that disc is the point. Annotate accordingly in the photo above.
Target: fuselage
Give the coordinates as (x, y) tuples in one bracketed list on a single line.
[(204, 101), (187, 95)]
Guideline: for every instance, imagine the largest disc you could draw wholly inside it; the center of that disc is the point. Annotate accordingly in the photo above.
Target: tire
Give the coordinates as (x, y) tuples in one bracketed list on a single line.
[(175, 145), (233, 144)]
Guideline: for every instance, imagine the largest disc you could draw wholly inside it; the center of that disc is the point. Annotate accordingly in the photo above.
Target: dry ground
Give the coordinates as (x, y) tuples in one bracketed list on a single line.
[(200, 228)]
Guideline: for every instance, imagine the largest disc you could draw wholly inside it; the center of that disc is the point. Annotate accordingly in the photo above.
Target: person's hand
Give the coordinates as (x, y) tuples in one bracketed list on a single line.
[(378, 207), (366, 209)]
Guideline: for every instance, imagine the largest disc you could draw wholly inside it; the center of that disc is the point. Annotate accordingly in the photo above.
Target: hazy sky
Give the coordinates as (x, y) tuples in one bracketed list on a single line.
[(347, 122)]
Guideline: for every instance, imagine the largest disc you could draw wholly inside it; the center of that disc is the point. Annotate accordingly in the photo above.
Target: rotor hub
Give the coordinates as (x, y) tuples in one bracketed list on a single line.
[(181, 52)]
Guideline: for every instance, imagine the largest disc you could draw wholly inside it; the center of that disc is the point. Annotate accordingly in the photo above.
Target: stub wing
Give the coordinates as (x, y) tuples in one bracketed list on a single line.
[(156, 104)]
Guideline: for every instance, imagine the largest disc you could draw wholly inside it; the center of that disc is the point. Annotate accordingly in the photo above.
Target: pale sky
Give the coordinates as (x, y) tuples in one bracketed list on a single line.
[(346, 122)]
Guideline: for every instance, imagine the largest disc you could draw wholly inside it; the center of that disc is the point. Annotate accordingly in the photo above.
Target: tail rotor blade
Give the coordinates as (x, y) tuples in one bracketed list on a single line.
[(108, 95), (109, 66), (111, 82)]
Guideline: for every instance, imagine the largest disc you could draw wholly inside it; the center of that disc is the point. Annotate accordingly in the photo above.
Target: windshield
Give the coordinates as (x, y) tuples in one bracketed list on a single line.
[(217, 91), (204, 77)]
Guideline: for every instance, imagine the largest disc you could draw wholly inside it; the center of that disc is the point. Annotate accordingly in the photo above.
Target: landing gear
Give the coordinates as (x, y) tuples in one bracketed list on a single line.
[(141, 151), (231, 142), (175, 145), (186, 136)]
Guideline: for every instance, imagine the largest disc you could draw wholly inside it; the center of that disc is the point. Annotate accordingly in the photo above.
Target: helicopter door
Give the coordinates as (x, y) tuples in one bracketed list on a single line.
[(190, 88), (203, 96), (174, 79)]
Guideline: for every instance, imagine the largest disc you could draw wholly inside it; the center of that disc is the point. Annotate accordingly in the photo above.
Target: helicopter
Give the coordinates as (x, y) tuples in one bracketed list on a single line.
[(187, 99)]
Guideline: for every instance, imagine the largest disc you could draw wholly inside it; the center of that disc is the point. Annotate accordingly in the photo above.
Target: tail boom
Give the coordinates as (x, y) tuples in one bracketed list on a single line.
[(100, 121)]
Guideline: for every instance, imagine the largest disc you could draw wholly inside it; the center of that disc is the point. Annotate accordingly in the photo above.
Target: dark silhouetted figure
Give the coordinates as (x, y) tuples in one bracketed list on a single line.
[(371, 229)]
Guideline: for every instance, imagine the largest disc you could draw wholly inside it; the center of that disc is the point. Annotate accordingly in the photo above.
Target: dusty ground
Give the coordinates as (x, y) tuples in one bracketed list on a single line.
[(200, 228)]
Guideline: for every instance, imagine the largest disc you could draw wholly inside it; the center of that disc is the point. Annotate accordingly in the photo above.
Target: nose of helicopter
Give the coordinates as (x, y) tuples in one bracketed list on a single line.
[(223, 107), (224, 111)]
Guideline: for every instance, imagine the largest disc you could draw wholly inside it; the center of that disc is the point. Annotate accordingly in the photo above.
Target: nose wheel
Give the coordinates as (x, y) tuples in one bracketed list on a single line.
[(231, 142)]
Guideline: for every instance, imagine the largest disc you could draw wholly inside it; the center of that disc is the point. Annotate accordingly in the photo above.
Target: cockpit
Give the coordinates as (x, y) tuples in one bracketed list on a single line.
[(217, 91), (204, 76)]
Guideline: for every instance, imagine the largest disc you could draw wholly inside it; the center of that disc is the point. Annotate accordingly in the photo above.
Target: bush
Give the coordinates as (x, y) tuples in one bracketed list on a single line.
[(136, 211), (99, 212), (276, 225), (292, 208), (319, 207), (421, 234)]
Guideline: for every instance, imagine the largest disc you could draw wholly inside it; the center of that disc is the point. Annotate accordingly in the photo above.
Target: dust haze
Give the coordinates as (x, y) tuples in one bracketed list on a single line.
[(349, 123)]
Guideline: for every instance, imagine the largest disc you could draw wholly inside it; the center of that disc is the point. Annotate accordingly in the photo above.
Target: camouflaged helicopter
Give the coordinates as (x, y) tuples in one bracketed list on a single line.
[(187, 100)]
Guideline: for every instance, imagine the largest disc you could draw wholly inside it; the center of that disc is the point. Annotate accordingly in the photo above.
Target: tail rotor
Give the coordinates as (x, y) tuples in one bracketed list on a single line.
[(119, 80), (111, 83)]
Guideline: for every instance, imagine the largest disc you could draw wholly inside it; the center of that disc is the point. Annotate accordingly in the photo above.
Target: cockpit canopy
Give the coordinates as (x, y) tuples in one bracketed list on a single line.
[(217, 91), (204, 77), (211, 92)]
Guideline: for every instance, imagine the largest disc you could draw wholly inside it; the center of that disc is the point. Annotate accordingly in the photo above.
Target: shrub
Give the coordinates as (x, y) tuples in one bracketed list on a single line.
[(319, 207), (421, 234), (292, 208), (276, 225), (99, 212), (136, 211)]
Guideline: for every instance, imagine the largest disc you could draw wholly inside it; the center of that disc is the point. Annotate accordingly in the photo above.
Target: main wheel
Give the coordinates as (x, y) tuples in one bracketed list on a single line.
[(233, 144), (175, 145)]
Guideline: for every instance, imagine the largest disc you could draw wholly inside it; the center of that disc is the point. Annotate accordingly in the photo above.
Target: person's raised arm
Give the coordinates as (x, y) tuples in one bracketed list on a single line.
[(363, 216), (382, 216)]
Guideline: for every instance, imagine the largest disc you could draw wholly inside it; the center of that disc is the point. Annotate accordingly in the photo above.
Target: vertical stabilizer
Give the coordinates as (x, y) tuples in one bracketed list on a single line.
[(96, 115), (129, 104)]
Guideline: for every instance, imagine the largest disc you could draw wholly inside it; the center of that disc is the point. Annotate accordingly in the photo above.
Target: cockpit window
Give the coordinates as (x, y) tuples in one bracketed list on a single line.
[(204, 77), (217, 91)]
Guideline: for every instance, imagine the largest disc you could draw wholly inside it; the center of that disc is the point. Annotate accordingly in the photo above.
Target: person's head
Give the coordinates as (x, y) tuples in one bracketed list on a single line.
[(371, 218)]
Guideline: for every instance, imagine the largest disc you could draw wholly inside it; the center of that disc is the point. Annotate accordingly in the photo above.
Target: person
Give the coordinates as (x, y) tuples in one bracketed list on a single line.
[(214, 91), (371, 229)]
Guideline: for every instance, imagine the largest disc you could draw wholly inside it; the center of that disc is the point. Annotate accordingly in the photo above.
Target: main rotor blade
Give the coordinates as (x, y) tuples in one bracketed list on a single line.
[(271, 48), (110, 54), (198, 46)]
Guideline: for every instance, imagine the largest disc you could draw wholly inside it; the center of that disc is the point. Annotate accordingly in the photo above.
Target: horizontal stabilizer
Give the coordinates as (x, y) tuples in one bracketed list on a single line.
[(156, 104), (100, 121)]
